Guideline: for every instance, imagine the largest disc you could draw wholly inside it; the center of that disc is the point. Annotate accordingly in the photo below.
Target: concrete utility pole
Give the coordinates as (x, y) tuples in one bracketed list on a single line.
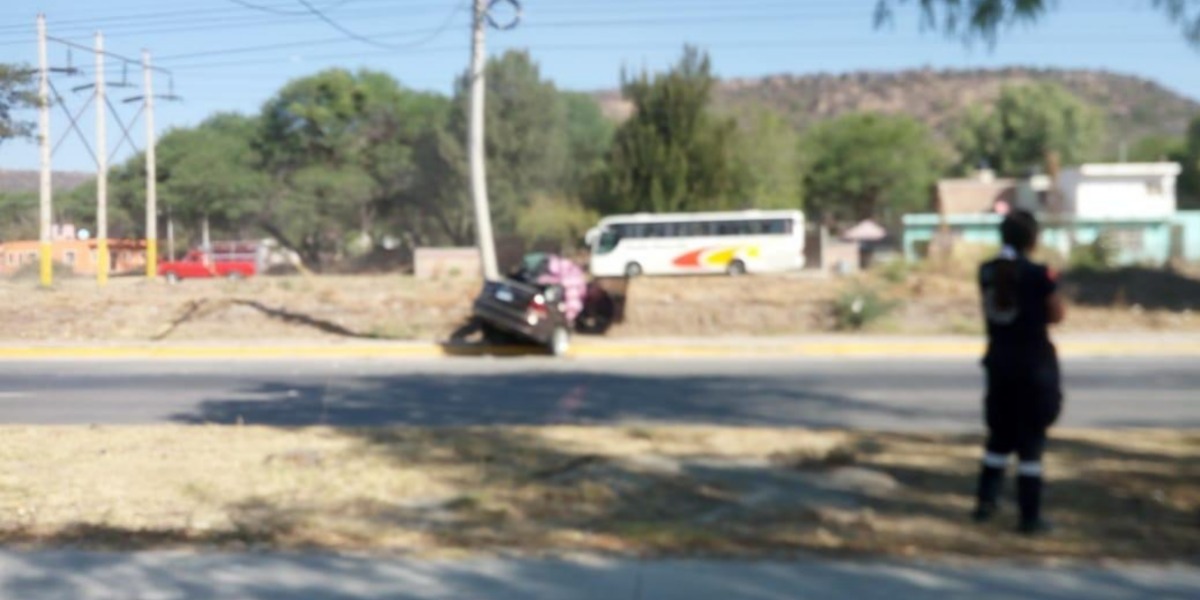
[(483, 216), (151, 172), (46, 248), (102, 258)]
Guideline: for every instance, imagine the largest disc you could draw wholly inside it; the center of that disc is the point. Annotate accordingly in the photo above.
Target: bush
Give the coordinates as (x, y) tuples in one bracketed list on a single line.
[(856, 308), (1099, 255), (893, 271)]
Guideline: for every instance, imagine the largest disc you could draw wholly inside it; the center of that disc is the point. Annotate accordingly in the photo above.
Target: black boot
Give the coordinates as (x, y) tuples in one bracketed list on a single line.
[(1029, 497), (991, 480)]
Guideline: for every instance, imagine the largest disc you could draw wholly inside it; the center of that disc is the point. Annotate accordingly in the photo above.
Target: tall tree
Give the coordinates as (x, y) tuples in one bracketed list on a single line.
[(672, 154), (526, 145), (338, 146), (16, 92), (869, 165), (1189, 181), (984, 18), (212, 172), (1025, 125), (589, 137), (767, 154)]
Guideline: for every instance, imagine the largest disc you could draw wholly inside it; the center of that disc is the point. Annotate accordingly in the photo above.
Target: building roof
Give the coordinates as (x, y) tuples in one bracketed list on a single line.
[(975, 195), (1163, 169)]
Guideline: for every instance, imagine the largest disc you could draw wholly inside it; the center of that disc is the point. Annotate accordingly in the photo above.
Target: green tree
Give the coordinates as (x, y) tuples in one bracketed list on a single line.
[(18, 215), (672, 154), (767, 154), (589, 137), (869, 166), (1025, 124), (526, 146), (16, 92), (338, 147), (984, 19), (1188, 186), (212, 172), (1154, 148)]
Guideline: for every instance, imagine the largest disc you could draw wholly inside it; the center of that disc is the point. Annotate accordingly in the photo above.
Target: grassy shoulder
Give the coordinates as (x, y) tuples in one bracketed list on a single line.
[(897, 299), (678, 491)]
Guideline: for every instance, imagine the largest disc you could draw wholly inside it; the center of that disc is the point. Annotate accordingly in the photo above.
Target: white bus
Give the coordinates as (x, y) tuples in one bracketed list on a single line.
[(736, 243)]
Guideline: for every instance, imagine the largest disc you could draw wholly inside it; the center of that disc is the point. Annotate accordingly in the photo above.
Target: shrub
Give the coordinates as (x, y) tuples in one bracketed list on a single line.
[(858, 307), (1099, 255)]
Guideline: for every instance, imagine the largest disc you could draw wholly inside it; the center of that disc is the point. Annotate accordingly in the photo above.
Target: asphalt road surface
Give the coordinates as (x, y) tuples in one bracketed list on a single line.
[(896, 394), (74, 575)]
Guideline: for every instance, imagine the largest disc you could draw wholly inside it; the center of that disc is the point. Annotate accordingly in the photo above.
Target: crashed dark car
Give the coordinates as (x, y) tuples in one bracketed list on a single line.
[(538, 302)]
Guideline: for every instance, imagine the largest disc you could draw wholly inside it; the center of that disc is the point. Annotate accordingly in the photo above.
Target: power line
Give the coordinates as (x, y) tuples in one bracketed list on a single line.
[(345, 31), (276, 11)]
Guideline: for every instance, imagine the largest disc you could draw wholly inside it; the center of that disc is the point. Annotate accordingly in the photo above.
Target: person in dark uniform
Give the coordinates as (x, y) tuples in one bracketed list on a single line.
[(1024, 395)]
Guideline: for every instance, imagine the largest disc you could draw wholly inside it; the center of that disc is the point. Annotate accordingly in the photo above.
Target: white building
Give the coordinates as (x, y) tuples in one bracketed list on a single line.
[(1109, 191)]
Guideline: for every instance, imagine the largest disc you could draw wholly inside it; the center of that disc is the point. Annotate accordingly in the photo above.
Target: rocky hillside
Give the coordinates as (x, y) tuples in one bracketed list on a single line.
[(1135, 107), (27, 181)]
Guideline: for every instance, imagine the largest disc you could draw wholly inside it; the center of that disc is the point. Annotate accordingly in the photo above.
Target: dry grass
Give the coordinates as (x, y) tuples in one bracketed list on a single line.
[(932, 300), (643, 491)]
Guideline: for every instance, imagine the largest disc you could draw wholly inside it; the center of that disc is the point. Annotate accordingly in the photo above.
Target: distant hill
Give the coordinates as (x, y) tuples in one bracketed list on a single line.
[(1135, 107), (28, 181)]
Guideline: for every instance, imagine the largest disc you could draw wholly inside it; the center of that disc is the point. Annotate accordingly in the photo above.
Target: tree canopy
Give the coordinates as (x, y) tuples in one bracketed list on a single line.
[(16, 92), (983, 19), (672, 154), (869, 166), (1024, 126)]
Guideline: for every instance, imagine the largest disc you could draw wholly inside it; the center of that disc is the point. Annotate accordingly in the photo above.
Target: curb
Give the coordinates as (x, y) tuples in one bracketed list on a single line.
[(850, 349)]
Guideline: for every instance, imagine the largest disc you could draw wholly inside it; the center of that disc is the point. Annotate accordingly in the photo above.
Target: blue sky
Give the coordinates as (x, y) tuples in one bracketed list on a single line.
[(226, 57)]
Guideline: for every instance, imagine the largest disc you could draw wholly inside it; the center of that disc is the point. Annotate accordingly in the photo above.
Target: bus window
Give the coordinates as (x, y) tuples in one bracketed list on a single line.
[(608, 242)]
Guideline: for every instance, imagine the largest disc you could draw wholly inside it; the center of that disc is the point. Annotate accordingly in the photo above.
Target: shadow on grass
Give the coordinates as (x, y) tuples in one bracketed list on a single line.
[(518, 489)]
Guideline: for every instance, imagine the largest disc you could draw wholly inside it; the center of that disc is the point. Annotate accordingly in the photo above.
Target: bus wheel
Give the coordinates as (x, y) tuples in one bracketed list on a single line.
[(736, 268), (633, 270)]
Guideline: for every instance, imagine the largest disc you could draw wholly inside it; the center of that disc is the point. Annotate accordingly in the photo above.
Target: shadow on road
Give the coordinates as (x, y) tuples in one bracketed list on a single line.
[(534, 398)]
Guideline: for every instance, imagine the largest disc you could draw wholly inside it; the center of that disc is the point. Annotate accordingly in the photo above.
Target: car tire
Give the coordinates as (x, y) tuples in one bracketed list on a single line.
[(736, 268), (633, 270), (234, 276), (560, 341), (172, 278)]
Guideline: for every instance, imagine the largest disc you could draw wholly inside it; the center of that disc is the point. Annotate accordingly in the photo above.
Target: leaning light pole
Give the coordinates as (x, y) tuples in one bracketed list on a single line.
[(481, 19)]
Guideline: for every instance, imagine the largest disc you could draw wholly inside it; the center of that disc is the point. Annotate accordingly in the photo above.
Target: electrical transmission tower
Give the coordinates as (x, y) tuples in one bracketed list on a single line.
[(48, 96)]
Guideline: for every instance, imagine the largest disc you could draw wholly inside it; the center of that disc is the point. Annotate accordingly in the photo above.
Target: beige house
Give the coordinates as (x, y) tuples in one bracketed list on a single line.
[(980, 194)]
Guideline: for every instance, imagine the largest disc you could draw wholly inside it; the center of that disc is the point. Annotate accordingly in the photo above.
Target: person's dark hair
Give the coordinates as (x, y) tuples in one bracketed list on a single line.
[(1020, 232)]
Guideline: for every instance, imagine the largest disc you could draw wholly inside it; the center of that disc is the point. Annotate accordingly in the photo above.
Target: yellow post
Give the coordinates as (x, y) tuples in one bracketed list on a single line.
[(151, 258), (102, 261), (47, 270)]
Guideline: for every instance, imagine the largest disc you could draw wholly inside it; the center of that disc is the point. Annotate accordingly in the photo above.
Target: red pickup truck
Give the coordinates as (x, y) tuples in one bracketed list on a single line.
[(200, 264)]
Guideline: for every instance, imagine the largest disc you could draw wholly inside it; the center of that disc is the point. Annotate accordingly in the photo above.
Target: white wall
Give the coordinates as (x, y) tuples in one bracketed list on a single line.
[(1108, 197)]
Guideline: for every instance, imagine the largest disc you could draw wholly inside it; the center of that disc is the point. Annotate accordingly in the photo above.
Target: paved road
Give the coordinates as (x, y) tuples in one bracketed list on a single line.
[(69, 575), (887, 394)]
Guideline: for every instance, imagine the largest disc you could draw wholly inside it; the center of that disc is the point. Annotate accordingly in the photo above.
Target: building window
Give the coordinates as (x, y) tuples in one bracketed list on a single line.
[(1154, 188), (69, 257)]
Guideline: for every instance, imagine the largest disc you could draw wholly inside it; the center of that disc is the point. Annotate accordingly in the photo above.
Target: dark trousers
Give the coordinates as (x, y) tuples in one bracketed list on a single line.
[(1022, 402)]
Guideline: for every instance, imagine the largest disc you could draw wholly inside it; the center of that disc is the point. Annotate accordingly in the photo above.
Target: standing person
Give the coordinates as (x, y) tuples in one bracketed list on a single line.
[(1024, 396)]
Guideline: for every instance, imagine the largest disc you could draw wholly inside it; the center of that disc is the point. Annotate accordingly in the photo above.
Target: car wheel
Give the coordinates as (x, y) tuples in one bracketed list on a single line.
[(172, 278), (736, 268), (560, 341), (633, 270), (234, 276)]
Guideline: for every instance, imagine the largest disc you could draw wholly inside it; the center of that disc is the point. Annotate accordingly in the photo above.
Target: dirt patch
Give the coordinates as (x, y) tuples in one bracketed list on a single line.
[(677, 491), (392, 307)]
